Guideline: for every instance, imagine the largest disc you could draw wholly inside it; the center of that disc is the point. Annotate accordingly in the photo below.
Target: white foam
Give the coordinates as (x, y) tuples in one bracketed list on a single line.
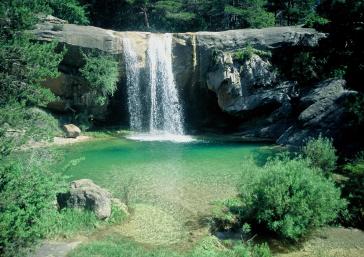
[(161, 137)]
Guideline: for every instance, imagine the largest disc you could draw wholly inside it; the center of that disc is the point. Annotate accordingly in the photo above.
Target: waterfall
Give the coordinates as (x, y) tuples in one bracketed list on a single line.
[(159, 102), (133, 86), (165, 111)]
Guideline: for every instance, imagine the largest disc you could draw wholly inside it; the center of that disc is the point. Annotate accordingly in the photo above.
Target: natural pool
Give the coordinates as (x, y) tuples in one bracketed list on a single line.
[(170, 186)]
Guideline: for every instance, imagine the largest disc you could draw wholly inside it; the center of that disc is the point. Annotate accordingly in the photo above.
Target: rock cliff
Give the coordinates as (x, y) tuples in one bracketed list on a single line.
[(226, 79)]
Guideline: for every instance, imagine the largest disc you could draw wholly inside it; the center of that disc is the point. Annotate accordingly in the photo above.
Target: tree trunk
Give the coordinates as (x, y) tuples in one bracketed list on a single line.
[(146, 20)]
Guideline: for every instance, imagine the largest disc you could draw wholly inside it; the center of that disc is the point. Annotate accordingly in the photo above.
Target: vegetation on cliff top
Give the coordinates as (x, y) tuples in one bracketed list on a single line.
[(192, 15)]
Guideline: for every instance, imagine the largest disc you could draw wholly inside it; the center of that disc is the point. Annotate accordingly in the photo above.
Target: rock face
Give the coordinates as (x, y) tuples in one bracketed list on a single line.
[(248, 96), (71, 130), (323, 113), (85, 194), (246, 86)]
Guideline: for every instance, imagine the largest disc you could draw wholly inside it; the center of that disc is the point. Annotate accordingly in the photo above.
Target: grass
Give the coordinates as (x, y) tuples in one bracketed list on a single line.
[(115, 246), (71, 222)]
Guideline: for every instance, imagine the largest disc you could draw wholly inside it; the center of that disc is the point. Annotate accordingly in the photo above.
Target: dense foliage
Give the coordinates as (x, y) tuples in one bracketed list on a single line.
[(193, 15), (286, 197), (102, 73), (24, 63), (321, 153), (344, 45), (28, 187), (353, 190), (28, 191)]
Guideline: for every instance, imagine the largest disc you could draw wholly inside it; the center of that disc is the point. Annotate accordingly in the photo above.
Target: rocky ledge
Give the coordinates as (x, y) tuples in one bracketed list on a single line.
[(214, 84)]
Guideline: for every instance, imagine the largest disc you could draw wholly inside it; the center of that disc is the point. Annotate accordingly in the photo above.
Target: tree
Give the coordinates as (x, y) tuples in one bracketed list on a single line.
[(24, 63), (248, 14), (346, 38), (292, 12), (142, 6), (180, 15)]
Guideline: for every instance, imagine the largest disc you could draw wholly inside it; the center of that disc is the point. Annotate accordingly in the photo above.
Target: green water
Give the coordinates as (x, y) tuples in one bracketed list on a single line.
[(175, 183)]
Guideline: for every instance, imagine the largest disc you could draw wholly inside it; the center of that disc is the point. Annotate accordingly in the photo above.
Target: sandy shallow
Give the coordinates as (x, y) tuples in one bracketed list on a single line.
[(56, 141)]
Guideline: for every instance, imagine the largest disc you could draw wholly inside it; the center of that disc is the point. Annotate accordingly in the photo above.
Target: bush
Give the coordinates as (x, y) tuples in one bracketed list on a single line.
[(22, 125), (353, 191), (321, 153), (356, 107), (287, 197), (28, 191), (313, 20), (247, 53), (102, 73), (69, 10), (24, 64)]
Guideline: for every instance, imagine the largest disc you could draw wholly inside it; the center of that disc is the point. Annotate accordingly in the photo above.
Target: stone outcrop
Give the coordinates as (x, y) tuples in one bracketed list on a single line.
[(85, 194), (110, 41), (250, 96), (71, 130), (247, 86), (323, 112)]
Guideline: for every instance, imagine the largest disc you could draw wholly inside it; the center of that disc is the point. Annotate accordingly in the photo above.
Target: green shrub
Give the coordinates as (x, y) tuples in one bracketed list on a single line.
[(321, 153), (102, 73), (28, 191), (21, 125), (338, 73), (356, 166), (313, 20), (353, 191), (356, 107), (69, 10), (24, 64), (287, 197), (247, 53)]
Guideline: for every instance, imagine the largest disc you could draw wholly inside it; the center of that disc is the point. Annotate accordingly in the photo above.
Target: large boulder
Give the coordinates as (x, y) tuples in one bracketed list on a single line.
[(324, 112), (245, 87), (71, 130), (85, 194)]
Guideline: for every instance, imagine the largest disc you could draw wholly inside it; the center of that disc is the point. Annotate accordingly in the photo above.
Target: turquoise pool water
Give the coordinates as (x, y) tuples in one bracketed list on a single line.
[(180, 180)]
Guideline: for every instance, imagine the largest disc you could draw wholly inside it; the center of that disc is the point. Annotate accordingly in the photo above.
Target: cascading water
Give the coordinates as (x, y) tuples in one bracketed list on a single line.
[(165, 111), (133, 86)]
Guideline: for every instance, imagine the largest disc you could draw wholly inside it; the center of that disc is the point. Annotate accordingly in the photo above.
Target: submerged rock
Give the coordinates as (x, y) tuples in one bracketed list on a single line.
[(85, 194), (71, 130)]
